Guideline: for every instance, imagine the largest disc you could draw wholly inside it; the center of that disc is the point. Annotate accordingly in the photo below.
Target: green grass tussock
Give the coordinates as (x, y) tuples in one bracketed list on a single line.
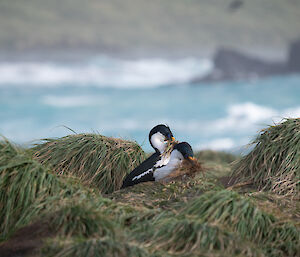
[(49, 199), (283, 208), (240, 215), (81, 218), (186, 236), (92, 247), (8, 151), (274, 163), (97, 160), (284, 240), (26, 188), (229, 208)]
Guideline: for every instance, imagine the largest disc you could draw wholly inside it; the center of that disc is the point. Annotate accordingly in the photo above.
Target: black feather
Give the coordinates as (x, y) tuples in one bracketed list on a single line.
[(144, 166)]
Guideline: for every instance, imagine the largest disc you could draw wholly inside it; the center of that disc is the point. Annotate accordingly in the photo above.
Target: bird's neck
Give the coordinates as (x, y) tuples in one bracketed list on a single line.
[(157, 141)]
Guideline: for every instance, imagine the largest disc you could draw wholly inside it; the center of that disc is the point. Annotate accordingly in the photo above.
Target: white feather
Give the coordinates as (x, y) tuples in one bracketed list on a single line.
[(159, 142), (175, 160), (141, 175), (163, 161)]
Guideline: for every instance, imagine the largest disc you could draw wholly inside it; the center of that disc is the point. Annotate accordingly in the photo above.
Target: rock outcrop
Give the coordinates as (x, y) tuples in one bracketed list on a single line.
[(230, 64), (294, 57)]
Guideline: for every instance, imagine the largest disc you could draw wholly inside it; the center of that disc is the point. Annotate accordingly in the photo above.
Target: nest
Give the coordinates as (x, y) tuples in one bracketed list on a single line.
[(274, 163), (96, 160), (169, 148), (188, 168)]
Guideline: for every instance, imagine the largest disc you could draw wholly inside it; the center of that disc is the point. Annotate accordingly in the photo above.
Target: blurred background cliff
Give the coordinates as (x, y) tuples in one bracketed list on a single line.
[(149, 28), (215, 71)]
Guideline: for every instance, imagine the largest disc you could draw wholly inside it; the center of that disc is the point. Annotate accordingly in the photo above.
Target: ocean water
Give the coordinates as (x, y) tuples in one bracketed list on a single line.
[(126, 98)]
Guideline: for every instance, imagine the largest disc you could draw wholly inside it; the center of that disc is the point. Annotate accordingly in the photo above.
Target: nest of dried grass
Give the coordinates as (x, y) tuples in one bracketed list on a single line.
[(274, 163), (100, 161), (187, 169)]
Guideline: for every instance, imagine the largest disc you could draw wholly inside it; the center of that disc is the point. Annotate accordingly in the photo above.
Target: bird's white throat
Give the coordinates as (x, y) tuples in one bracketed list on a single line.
[(158, 142)]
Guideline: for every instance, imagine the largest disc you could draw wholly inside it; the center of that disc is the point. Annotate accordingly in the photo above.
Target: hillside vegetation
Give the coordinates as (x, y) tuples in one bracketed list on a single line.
[(134, 26), (49, 208)]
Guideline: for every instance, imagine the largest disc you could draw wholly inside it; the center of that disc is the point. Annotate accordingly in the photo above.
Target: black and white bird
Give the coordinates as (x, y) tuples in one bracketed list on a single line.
[(181, 151), (159, 137)]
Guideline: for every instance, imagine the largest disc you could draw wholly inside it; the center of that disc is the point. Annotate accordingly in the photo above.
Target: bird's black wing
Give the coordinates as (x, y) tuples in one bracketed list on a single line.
[(134, 177)]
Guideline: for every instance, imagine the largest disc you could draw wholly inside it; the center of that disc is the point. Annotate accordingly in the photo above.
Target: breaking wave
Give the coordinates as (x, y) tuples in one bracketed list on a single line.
[(105, 72)]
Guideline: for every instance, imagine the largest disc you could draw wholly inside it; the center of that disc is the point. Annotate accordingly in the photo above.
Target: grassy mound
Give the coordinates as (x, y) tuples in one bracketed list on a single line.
[(80, 218), (57, 215), (229, 208), (184, 236), (97, 160), (92, 247), (240, 215), (26, 187), (274, 163)]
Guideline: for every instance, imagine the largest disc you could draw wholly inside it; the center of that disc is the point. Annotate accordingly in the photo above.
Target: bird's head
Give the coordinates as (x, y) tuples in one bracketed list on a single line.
[(160, 136), (183, 151)]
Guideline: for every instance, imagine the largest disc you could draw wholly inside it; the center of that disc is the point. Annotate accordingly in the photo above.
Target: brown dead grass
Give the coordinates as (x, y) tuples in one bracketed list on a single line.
[(188, 168)]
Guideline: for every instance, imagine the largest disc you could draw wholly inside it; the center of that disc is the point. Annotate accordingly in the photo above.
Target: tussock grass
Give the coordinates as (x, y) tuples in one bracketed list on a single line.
[(169, 196), (186, 236), (188, 217), (283, 208), (284, 240), (229, 208), (81, 218), (25, 188), (129, 215), (92, 247), (274, 163), (8, 151), (97, 160), (240, 215)]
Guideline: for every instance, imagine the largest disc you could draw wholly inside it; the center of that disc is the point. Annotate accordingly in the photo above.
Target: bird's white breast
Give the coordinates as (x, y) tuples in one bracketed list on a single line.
[(163, 161), (174, 161)]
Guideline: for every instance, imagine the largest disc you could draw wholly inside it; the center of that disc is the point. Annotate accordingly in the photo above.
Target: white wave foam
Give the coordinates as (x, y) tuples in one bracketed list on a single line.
[(105, 72), (245, 115), (245, 118), (249, 115)]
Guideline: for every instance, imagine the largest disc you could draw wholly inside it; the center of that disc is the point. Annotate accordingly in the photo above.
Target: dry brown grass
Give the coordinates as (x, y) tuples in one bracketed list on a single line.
[(188, 168)]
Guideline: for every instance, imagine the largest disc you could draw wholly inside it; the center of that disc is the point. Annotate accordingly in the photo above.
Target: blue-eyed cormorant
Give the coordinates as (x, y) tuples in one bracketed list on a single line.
[(159, 137), (181, 151)]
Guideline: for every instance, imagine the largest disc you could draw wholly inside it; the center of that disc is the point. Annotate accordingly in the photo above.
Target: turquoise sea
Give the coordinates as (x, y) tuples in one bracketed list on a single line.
[(126, 99)]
